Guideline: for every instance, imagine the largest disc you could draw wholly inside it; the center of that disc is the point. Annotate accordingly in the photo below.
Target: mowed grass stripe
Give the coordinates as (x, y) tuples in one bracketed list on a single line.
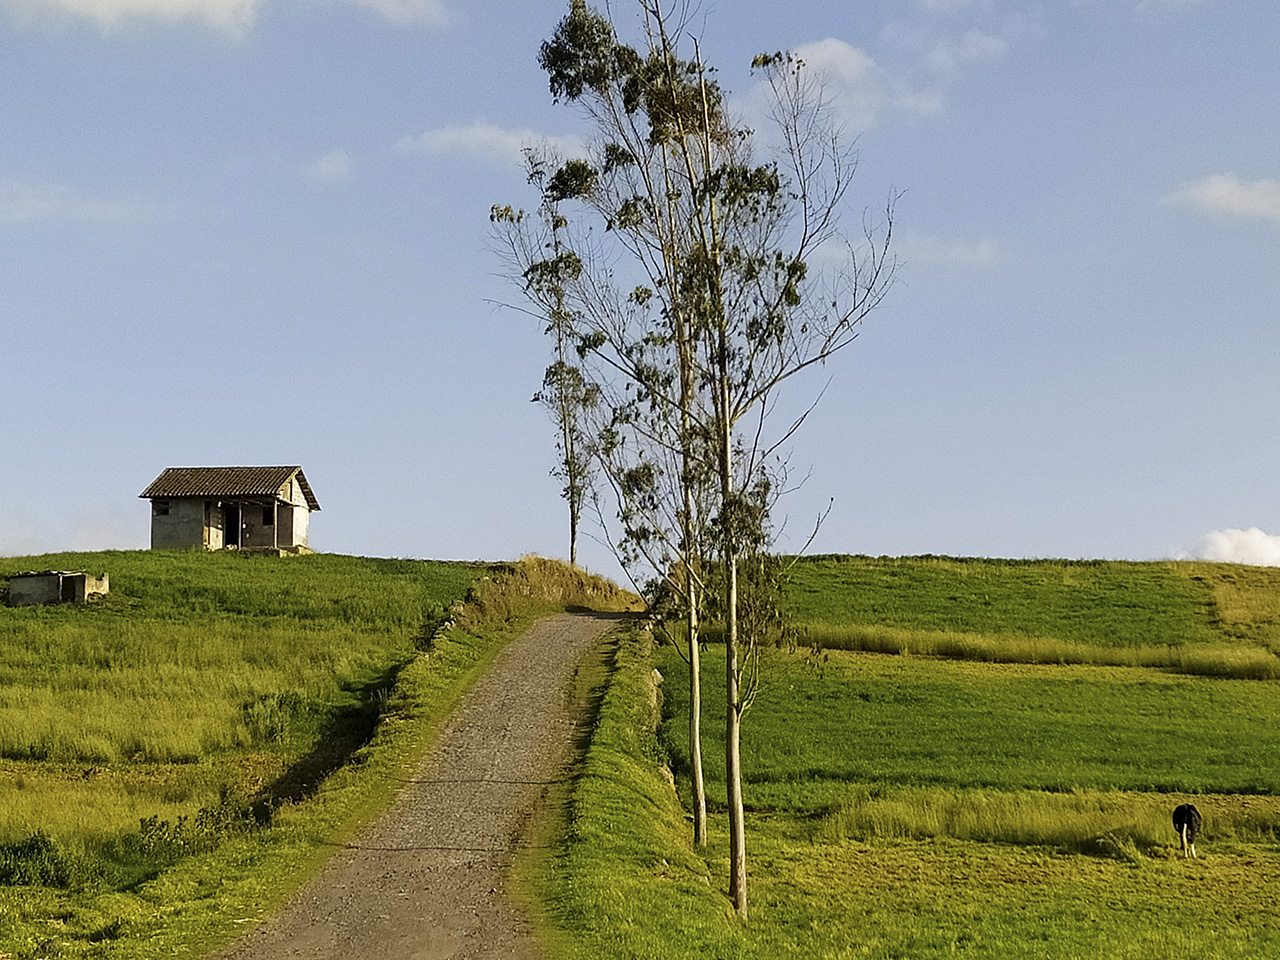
[(1099, 603), (868, 718)]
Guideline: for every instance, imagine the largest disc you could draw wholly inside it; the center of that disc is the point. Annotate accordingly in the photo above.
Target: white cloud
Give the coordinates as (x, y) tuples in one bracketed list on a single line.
[(913, 248), (952, 6), (235, 17), (486, 141), (862, 92), (973, 47), (1226, 195), (228, 16), (1139, 6), (332, 166), (409, 11), (32, 201), (1250, 546)]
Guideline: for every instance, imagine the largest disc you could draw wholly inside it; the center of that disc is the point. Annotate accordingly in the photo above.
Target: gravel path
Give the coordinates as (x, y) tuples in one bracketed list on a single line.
[(425, 882)]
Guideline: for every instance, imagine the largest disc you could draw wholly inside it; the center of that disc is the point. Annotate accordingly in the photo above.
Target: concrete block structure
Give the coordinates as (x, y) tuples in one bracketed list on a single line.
[(55, 586), (236, 508)]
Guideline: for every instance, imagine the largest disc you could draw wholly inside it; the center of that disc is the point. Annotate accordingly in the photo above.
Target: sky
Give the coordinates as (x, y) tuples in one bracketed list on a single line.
[(255, 232)]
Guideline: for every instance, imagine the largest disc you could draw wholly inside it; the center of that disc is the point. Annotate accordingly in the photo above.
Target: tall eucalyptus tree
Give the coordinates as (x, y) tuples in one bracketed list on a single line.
[(687, 277)]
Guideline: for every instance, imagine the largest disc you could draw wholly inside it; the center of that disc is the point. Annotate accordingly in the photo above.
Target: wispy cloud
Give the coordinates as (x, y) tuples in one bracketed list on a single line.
[(972, 47), (1140, 6), (226, 16), (914, 248), (32, 201), (234, 17), (434, 12), (1226, 195), (486, 141), (1250, 546), (331, 167), (862, 92), (952, 6)]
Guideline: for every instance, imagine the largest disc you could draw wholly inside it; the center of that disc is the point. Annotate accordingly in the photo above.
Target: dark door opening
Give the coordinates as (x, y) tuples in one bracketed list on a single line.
[(231, 530)]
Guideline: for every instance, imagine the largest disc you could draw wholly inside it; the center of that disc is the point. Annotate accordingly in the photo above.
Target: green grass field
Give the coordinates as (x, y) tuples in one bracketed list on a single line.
[(964, 757), (174, 758), (1096, 603), (1206, 619), (192, 655), (903, 805)]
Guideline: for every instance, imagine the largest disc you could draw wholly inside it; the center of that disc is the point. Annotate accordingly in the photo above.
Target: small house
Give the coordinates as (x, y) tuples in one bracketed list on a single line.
[(237, 508), (55, 586)]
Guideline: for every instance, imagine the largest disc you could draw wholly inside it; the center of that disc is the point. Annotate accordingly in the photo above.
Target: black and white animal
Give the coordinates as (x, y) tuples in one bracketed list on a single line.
[(1187, 820)]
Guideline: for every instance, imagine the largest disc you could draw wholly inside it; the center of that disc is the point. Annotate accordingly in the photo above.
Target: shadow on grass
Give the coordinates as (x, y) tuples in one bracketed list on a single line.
[(346, 729), (591, 683), (620, 615)]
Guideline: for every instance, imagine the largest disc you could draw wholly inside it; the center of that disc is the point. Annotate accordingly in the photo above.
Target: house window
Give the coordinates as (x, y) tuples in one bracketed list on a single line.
[(269, 516), (159, 508)]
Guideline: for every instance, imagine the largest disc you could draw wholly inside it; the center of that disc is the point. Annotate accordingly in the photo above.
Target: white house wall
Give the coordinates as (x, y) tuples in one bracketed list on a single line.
[(301, 524), (292, 493), (293, 515), (216, 537)]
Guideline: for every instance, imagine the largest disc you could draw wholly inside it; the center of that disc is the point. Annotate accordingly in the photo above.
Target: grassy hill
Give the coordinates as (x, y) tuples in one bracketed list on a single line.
[(1204, 618), (173, 756), (193, 655), (968, 757), (961, 756)]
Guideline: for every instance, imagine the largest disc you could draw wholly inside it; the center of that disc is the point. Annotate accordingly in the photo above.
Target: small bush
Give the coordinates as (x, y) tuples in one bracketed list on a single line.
[(37, 861), (538, 585), (270, 717)]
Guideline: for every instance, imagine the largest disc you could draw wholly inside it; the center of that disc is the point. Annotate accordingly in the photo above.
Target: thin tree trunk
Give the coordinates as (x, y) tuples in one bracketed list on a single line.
[(733, 764), (691, 549), (733, 699), (573, 537), (567, 411), (695, 720)]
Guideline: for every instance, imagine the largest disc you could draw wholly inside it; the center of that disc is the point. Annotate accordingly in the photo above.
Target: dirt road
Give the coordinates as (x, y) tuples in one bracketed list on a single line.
[(425, 882)]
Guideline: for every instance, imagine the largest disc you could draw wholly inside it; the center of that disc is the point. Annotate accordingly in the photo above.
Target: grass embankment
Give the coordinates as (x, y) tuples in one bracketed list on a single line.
[(175, 757), (917, 807), (1207, 619)]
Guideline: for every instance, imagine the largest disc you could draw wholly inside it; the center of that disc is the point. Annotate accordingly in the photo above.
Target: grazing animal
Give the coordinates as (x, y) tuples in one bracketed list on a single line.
[(1187, 820)]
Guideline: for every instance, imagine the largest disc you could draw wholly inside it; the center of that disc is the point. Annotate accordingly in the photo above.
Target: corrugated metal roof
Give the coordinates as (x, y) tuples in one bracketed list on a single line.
[(229, 482)]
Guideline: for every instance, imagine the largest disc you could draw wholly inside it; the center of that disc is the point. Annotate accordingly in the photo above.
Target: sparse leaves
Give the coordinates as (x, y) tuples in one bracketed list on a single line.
[(575, 180)]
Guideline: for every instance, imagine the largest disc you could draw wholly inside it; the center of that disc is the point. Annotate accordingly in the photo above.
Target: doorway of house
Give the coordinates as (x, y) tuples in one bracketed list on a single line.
[(231, 526)]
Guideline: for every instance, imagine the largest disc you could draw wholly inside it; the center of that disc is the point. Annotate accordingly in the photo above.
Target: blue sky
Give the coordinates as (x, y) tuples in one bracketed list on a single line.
[(255, 232)]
